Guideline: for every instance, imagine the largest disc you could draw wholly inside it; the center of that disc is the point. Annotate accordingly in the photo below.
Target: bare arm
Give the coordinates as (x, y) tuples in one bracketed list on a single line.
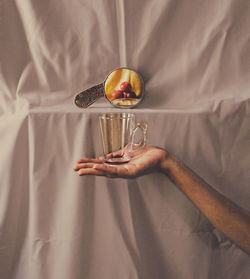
[(226, 216)]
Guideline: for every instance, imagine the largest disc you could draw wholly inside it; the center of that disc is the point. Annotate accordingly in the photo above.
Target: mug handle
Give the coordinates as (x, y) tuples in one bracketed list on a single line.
[(143, 126)]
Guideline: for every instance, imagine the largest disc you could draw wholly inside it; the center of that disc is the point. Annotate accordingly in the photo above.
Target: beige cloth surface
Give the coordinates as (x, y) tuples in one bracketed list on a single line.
[(194, 56)]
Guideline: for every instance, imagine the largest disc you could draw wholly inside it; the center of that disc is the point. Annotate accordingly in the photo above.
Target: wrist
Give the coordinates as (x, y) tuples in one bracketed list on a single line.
[(167, 162)]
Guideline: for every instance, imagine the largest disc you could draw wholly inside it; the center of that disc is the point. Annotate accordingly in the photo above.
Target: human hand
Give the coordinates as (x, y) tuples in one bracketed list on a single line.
[(143, 161)]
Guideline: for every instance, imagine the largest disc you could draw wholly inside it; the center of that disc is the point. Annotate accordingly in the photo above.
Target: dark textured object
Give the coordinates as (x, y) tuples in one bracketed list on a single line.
[(89, 96)]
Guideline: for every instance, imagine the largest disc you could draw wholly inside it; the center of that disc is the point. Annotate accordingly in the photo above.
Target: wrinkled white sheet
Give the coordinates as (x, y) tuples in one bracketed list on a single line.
[(194, 57)]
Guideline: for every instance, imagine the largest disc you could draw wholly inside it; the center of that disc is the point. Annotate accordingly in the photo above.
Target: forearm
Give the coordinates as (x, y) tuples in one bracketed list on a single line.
[(229, 218)]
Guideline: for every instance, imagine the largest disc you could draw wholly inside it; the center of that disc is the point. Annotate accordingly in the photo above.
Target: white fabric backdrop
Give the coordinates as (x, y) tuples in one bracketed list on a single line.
[(194, 58)]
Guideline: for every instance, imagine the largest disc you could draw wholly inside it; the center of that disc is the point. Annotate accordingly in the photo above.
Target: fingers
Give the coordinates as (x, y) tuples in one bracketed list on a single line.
[(95, 169), (91, 166), (116, 154), (91, 160), (112, 171), (101, 158), (90, 171), (83, 165), (87, 168)]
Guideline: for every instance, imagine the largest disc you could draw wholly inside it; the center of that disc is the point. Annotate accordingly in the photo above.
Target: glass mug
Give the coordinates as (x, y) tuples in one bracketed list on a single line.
[(118, 136)]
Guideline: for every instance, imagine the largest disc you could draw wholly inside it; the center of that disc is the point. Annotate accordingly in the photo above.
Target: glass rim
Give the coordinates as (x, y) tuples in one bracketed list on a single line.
[(123, 115)]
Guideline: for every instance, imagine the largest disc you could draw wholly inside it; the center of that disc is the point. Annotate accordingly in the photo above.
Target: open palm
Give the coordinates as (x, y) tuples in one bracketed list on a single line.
[(143, 161)]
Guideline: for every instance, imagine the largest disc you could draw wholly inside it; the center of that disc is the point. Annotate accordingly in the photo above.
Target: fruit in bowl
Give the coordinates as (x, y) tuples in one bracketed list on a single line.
[(125, 92), (129, 95), (128, 82), (117, 94), (124, 97), (126, 86)]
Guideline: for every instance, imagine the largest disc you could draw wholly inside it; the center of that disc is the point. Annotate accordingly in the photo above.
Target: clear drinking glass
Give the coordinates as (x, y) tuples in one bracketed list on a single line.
[(118, 134)]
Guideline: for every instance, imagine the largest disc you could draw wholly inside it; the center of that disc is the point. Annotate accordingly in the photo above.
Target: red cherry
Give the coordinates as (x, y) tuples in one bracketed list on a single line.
[(126, 86), (131, 95), (117, 94), (124, 95)]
